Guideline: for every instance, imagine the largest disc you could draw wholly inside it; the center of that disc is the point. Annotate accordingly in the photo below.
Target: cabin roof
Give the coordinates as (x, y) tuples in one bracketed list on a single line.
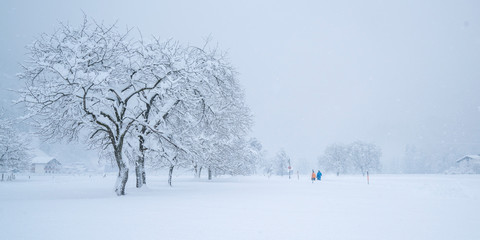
[(469, 157)]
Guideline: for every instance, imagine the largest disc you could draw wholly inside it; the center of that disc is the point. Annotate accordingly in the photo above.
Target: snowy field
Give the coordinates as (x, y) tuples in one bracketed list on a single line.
[(345, 207)]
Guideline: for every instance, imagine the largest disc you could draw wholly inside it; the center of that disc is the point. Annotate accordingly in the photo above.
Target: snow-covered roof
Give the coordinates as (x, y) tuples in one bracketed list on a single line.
[(39, 159), (40, 156), (54, 162), (469, 157)]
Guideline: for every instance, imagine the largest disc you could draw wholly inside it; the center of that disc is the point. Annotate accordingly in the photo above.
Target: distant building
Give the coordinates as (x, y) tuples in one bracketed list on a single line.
[(41, 166), (53, 166), (468, 164), (38, 167), (39, 161)]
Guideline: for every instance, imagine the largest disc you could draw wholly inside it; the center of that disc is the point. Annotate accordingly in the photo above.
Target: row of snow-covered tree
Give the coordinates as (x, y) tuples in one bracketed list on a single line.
[(143, 103), (354, 157), (357, 157)]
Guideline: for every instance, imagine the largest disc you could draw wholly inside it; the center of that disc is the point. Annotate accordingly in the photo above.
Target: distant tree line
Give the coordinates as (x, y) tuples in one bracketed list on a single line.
[(439, 158), (356, 157)]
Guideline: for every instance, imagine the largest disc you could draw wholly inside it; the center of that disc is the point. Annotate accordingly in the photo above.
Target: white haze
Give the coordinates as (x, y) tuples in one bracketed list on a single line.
[(315, 72)]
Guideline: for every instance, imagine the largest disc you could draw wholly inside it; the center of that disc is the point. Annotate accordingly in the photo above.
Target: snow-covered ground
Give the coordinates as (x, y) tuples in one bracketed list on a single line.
[(345, 207)]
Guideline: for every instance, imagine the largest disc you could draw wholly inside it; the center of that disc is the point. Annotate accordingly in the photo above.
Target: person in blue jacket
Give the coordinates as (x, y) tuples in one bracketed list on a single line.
[(319, 175)]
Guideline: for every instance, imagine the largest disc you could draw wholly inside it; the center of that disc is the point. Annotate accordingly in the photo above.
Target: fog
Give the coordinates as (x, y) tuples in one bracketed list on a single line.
[(393, 73)]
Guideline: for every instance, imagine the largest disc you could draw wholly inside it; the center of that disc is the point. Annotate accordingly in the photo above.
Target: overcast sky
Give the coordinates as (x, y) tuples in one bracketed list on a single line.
[(315, 72)]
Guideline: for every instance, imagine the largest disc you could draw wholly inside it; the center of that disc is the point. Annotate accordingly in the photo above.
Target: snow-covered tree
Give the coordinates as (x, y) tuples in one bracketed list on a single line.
[(336, 158), (199, 114), (223, 119), (84, 80), (13, 147), (282, 162), (239, 157), (167, 155), (166, 112), (268, 166), (254, 155), (365, 156), (147, 101)]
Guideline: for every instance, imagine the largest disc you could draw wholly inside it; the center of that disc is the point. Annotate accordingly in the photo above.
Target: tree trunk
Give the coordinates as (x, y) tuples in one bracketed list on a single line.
[(198, 171), (140, 164), (209, 173), (122, 172), (139, 174), (121, 181), (170, 173)]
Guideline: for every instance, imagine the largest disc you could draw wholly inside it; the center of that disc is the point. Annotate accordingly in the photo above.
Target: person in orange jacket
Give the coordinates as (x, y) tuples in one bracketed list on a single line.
[(313, 176)]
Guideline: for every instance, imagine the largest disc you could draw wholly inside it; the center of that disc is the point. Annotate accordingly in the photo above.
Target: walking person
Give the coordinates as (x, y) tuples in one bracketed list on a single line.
[(313, 176), (319, 175)]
